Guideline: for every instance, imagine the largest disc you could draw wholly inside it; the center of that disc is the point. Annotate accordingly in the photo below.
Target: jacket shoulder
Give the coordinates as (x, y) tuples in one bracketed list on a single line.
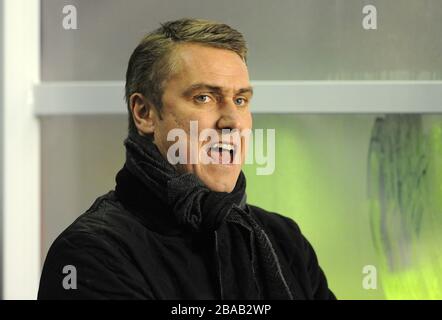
[(105, 218), (96, 245)]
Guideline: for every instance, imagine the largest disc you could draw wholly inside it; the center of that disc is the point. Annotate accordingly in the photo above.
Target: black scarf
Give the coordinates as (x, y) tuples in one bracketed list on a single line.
[(248, 266)]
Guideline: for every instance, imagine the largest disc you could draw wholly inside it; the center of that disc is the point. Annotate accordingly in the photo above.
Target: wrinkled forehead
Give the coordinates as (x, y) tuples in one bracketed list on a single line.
[(195, 63)]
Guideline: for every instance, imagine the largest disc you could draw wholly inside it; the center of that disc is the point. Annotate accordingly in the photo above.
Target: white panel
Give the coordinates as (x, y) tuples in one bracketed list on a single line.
[(58, 98), (21, 143), (270, 97)]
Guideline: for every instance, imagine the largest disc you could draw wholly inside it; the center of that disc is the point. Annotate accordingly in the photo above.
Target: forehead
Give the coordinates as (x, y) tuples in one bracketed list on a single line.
[(197, 63)]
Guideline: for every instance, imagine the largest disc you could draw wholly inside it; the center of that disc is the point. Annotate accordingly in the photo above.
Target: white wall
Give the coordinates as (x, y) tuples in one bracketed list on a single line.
[(21, 150), (1, 147)]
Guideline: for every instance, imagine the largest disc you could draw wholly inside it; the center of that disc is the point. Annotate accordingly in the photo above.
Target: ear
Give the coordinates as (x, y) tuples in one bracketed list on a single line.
[(143, 114)]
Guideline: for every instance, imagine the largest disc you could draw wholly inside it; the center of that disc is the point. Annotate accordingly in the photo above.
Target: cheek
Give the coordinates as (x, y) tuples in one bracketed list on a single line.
[(163, 128), (182, 123), (179, 121)]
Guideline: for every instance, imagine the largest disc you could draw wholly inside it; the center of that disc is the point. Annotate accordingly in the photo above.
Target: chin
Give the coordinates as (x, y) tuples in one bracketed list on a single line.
[(219, 182), (218, 179), (219, 186)]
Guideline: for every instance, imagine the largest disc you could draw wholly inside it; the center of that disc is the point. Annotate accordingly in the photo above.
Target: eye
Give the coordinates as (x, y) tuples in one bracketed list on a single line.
[(240, 101), (202, 98)]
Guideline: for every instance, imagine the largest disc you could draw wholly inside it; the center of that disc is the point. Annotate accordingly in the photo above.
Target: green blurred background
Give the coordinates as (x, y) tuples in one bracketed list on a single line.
[(328, 176)]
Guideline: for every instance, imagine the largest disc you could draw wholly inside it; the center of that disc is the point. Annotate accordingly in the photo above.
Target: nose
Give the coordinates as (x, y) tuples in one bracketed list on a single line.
[(229, 117)]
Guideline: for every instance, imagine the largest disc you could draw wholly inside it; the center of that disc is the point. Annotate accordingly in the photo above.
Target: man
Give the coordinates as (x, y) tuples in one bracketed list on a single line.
[(184, 230)]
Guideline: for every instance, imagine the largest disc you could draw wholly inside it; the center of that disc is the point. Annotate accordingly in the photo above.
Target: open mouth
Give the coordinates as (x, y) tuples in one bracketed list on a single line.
[(222, 153)]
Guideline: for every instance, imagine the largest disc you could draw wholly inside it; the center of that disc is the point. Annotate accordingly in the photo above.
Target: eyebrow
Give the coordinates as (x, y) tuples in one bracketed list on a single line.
[(216, 89)]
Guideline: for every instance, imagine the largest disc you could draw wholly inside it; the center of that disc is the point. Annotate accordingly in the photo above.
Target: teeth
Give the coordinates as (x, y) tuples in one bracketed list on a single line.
[(226, 146)]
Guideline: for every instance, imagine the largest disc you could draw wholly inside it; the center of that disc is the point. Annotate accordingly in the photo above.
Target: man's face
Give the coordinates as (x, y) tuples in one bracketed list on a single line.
[(211, 86)]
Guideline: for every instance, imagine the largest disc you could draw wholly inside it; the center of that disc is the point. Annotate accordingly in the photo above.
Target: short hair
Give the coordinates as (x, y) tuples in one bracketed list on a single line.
[(151, 63)]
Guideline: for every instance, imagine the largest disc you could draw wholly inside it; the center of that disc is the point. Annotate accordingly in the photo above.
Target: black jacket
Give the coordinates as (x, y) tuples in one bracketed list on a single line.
[(128, 246)]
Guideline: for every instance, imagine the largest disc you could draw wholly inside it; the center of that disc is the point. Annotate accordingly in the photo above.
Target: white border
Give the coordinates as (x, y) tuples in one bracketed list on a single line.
[(107, 97), (21, 150)]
